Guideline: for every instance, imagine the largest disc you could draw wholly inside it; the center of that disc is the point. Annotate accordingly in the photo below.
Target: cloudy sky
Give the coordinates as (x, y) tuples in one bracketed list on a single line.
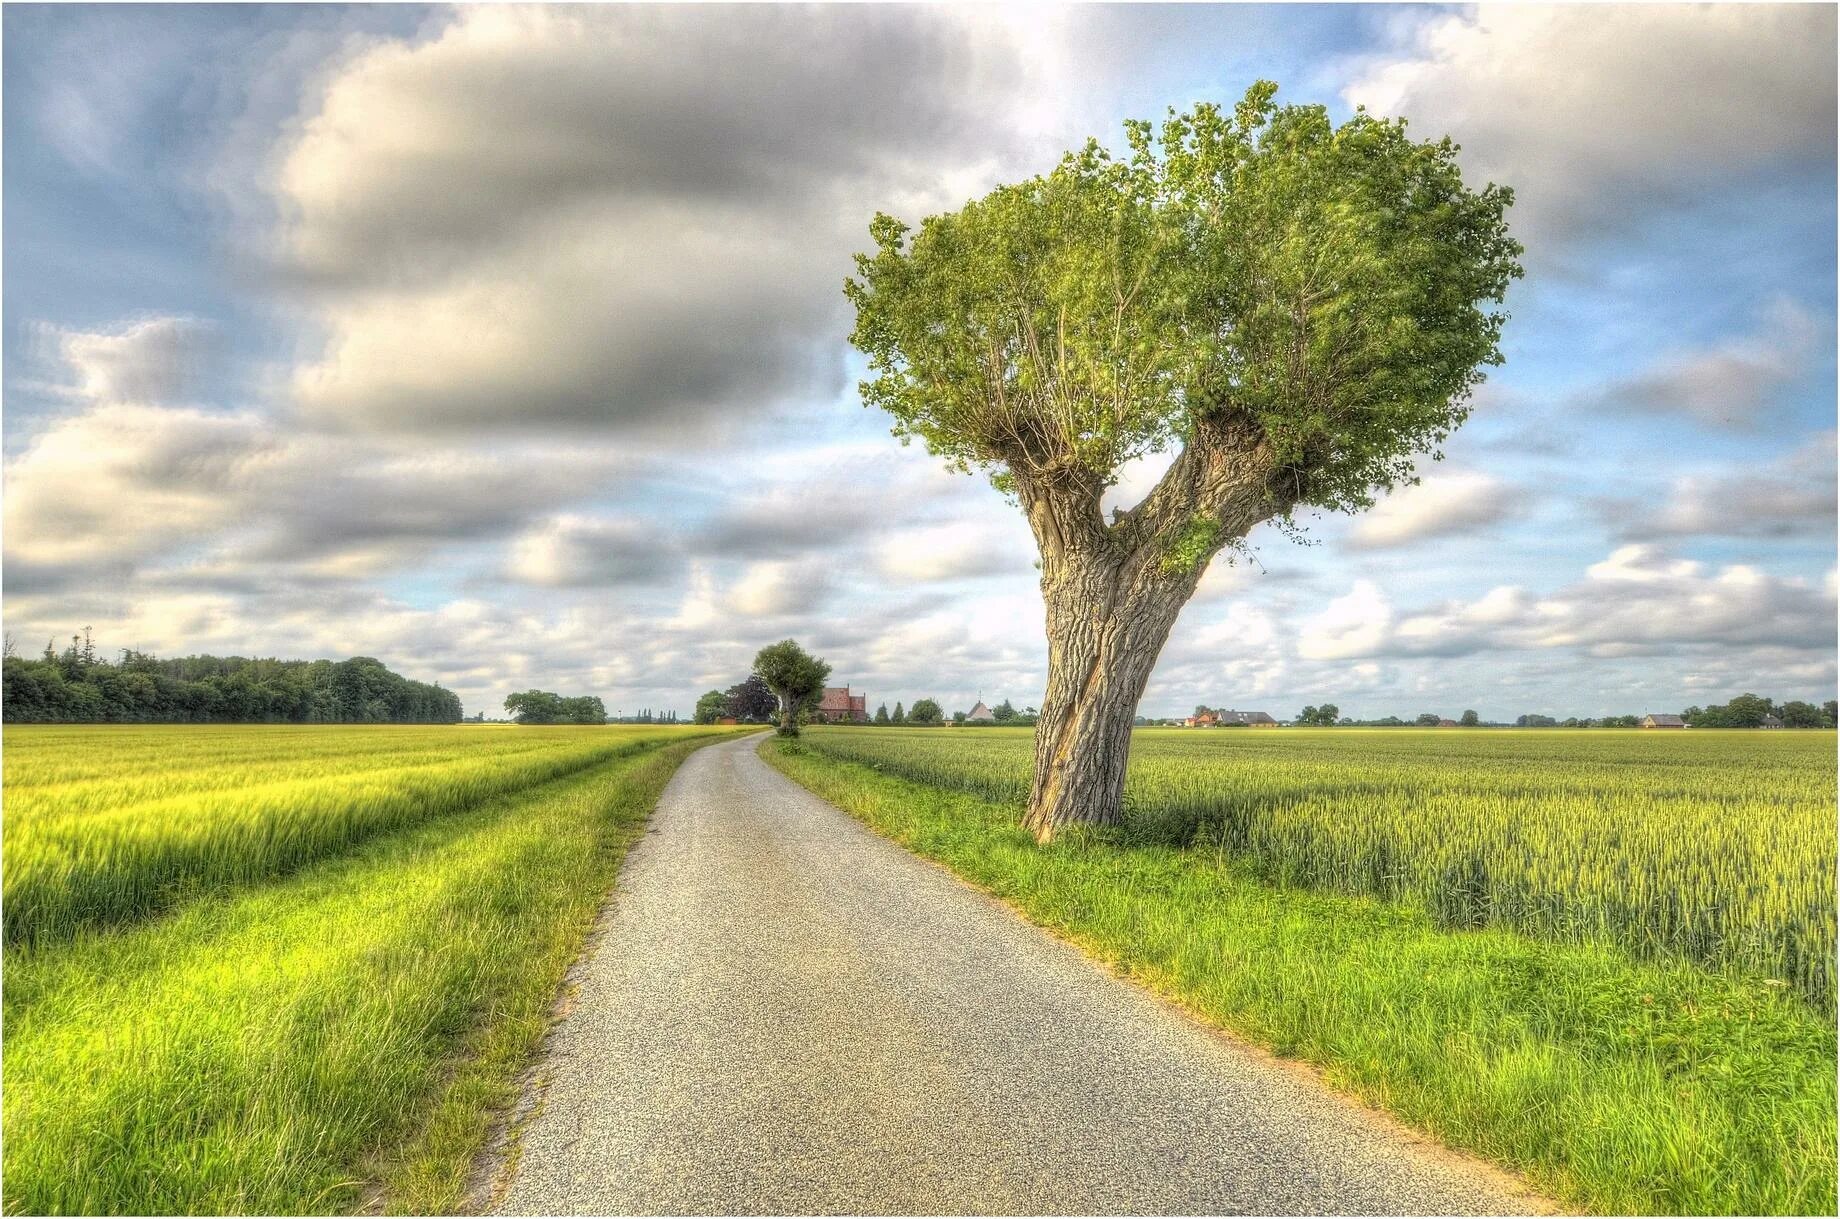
[(507, 345)]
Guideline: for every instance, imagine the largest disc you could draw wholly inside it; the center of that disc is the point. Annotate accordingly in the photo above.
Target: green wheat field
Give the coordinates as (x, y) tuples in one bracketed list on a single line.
[(291, 969), (297, 969)]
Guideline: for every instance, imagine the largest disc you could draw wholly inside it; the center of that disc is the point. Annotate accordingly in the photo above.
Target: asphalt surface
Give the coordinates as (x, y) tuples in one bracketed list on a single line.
[(785, 1013)]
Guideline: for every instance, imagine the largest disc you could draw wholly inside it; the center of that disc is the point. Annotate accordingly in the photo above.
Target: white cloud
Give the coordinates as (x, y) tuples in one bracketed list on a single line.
[(572, 550), (1597, 114), (1640, 600), (1441, 505), (586, 216), (962, 550), (777, 587), (1732, 384), (151, 360), (127, 483), (1794, 497), (1355, 624), (118, 479)]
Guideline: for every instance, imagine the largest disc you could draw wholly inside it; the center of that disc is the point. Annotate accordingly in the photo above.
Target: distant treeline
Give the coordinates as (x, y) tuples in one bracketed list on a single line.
[(75, 686)]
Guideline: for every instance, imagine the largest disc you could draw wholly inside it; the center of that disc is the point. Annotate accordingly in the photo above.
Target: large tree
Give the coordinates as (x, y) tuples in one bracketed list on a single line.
[(794, 675), (1299, 310)]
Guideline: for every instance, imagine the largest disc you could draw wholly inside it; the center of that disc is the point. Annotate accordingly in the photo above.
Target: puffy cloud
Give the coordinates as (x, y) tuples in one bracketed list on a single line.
[(1792, 498), (586, 217), (1638, 601), (775, 588), (1599, 114), (1443, 504), (582, 551), (120, 479), (151, 360), (963, 550), (1731, 384), (119, 484), (1355, 624)]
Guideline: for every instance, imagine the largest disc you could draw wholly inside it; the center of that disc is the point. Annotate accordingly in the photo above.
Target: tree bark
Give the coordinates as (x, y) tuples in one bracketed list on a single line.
[(1108, 618)]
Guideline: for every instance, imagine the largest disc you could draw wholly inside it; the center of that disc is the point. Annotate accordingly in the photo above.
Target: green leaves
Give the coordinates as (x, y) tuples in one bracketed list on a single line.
[(1334, 285)]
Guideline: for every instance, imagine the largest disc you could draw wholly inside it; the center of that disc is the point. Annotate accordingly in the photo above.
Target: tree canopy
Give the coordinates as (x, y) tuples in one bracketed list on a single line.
[(1317, 299)]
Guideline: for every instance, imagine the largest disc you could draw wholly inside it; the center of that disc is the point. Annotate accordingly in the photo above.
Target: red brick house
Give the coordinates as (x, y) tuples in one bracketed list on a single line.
[(839, 706)]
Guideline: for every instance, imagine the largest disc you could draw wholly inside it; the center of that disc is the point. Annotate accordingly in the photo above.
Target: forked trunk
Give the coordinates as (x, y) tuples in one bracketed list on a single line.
[(1108, 618)]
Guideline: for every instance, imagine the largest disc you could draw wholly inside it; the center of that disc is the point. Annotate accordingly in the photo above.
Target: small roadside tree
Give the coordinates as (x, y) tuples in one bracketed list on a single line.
[(1300, 309), (899, 716), (711, 707), (1469, 719), (881, 714), (926, 711), (794, 676), (1004, 712)]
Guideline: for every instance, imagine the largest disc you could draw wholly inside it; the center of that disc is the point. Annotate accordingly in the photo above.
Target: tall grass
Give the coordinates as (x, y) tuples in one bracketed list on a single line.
[(1713, 847), (271, 1049), (105, 826)]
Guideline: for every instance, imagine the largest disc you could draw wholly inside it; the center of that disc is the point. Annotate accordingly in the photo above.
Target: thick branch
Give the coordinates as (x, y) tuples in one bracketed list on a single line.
[(1227, 472)]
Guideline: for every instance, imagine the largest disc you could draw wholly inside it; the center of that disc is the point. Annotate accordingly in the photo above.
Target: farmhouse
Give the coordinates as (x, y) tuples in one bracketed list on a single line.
[(980, 714), (1449, 724), (1207, 718), (838, 706), (1654, 720), (1770, 721)]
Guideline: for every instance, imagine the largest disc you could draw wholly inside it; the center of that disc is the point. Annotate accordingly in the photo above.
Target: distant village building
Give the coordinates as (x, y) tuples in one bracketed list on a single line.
[(725, 719), (980, 714), (1214, 719), (1663, 721), (1770, 721), (1448, 724), (838, 706)]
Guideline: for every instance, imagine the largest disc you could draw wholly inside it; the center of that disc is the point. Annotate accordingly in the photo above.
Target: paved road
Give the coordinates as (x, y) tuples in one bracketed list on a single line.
[(785, 1013)]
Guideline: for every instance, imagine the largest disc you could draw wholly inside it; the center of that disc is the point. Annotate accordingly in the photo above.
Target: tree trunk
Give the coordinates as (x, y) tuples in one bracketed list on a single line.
[(1108, 618)]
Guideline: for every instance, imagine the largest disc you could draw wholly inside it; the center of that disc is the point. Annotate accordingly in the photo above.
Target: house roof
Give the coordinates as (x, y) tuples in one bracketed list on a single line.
[(980, 712), (1663, 718)]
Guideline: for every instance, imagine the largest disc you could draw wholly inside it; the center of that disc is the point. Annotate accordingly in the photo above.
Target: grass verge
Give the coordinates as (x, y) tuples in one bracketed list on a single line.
[(1611, 1084), (276, 1050)]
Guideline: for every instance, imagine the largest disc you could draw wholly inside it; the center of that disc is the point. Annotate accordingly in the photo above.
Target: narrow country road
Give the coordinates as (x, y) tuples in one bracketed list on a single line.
[(785, 1013)]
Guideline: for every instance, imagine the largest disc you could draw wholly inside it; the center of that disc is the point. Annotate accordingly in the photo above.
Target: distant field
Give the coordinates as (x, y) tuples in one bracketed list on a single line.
[(1717, 847), (261, 969), (1601, 958)]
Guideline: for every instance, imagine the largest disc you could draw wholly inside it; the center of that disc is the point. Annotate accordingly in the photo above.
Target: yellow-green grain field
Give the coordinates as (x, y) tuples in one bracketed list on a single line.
[(291, 969), (1715, 847)]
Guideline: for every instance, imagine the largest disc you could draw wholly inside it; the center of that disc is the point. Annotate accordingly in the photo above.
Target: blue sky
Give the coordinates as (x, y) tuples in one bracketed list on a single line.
[(506, 345)]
